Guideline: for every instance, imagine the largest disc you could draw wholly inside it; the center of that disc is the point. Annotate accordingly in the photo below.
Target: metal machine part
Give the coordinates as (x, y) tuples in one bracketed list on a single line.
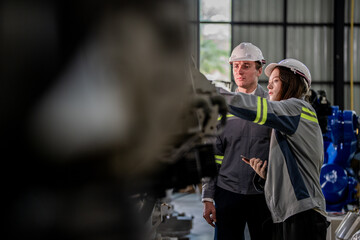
[(349, 226), (173, 224), (356, 236)]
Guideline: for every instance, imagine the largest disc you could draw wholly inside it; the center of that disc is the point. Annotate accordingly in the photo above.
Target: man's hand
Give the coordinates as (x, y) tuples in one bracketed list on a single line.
[(258, 165), (209, 213)]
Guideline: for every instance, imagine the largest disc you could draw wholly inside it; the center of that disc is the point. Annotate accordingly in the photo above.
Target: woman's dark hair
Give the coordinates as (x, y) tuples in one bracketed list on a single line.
[(293, 85)]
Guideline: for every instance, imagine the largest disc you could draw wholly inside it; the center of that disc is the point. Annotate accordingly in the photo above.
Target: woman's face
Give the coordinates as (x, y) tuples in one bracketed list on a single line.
[(274, 85)]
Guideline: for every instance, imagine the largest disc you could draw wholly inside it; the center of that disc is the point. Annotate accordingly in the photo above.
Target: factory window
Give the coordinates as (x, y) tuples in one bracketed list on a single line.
[(215, 39)]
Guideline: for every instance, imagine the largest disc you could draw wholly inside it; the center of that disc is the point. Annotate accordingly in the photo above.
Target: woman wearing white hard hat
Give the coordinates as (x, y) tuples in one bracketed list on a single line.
[(290, 177)]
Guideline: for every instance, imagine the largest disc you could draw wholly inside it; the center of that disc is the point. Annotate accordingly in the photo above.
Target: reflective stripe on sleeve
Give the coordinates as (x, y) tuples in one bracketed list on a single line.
[(258, 112), (261, 114), (309, 115), (309, 118), (264, 114), (308, 111)]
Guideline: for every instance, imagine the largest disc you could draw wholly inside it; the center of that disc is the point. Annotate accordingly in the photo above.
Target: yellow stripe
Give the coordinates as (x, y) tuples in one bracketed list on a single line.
[(218, 161), (264, 112), (308, 111), (309, 117), (219, 157), (258, 110), (227, 115)]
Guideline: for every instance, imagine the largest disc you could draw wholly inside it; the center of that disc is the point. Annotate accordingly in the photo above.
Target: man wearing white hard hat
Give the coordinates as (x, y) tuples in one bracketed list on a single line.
[(291, 176), (237, 201)]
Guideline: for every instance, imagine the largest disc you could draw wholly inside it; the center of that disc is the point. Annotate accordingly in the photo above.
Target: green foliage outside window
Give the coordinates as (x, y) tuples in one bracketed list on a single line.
[(211, 57)]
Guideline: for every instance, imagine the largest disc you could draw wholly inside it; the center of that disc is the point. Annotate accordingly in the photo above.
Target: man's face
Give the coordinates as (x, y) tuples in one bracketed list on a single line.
[(246, 74)]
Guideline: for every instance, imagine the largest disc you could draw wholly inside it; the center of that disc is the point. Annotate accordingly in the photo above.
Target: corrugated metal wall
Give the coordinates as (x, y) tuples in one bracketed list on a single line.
[(309, 37)]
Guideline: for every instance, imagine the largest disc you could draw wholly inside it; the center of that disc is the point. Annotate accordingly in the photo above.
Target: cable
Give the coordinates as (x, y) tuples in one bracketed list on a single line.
[(352, 57)]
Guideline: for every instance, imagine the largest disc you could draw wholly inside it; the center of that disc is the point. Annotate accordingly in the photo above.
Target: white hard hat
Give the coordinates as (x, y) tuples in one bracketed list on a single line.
[(294, 65), (246, 52)]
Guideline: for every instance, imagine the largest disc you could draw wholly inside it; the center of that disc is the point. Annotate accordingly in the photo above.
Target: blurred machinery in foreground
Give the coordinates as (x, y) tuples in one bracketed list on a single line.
[(102, 111), (338, 178)]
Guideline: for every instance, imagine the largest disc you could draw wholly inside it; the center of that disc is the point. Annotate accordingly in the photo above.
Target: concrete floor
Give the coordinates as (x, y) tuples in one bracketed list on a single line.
[(191, 205)]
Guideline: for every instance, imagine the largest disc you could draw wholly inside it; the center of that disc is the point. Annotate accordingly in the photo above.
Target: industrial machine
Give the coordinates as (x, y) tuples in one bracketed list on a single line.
[(102, 112), (341, 135)]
